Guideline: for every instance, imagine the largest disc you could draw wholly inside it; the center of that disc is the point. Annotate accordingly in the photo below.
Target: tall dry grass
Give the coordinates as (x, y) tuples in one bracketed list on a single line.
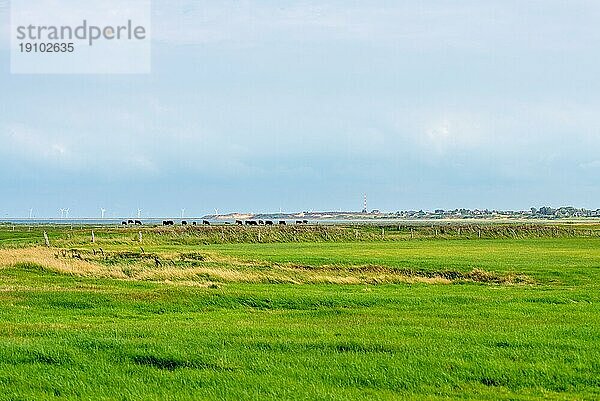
[(219, 268), (49, 259)]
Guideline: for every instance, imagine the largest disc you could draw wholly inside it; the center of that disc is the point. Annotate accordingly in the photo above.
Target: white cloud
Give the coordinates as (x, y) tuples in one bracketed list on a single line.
[(32, 145), (421, 26), (592, 165)]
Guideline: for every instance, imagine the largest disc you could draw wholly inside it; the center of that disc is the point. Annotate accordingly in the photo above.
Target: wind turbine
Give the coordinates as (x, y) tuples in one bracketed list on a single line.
[(139, 213), (67, 213), (62, 213), (30, 213), (182, 213), (102, 211), (216, 212)]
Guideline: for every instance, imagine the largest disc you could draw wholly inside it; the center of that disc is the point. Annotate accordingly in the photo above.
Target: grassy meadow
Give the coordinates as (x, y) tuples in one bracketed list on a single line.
[(470, 312)]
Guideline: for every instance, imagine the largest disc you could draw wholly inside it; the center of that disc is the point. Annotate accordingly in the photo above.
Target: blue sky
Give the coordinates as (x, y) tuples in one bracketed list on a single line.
[(260, 105)]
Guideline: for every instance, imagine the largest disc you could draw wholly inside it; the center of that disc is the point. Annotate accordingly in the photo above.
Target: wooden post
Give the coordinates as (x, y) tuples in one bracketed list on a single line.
[(479, 232), (140, 236), (411, 233), (46, 240), (259, 238), (382, 233), (93, 237)]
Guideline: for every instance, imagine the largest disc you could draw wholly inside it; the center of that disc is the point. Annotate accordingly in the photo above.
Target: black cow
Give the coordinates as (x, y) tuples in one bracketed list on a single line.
[(268, 223), (138, 223), (130, 222), (194, 223), (168, 223), (282, 222), (239, 222), (124, 223), (260, 222), (184, 223), (305, 221), (206, 222), (298, 221)]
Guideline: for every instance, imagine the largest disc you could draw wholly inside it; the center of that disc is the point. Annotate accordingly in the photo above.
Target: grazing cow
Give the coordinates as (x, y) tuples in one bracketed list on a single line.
[(138, 223), (298, 221), (130, 222), (239, 222), (206, 222), (194, 223), (260, 222), (253, 223), (268, 223), (168, 223), (305, 221), (124, 223), (282, 222), (184, 223)]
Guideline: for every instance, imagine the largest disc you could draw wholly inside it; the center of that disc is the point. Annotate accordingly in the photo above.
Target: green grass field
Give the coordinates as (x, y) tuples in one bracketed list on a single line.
[(336, 315)]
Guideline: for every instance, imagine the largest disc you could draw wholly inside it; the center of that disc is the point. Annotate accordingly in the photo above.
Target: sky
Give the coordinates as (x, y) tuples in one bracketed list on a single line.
[(257, 106)]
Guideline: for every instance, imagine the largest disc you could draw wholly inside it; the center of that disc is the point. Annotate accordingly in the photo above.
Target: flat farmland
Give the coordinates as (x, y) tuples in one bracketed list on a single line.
[(347, 313)]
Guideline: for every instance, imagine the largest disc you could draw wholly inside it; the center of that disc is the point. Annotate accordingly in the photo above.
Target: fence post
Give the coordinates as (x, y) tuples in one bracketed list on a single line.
[(140, 236), (93, 237), (46, 240)]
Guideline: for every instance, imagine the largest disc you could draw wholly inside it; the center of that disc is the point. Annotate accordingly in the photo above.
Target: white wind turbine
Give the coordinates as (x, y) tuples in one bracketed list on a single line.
[(62, 213), (30, 213), (182, 213), (67, 213), (216, 212), (139, 213), (102, 212)]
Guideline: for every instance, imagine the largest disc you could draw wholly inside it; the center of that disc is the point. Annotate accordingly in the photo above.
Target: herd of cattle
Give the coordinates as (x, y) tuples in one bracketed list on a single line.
[(207, 223)]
